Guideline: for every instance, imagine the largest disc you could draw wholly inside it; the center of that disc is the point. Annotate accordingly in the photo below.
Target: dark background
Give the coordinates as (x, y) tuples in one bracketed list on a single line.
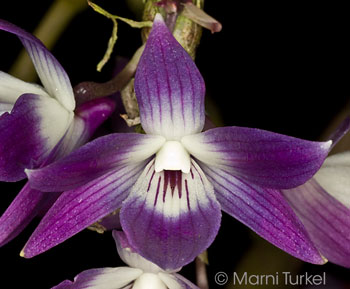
[(280, 67)]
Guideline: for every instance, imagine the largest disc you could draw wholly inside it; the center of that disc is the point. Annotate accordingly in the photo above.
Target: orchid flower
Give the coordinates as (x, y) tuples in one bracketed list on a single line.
[(37, 126), (141, 273), (323, 205), (172, 182)]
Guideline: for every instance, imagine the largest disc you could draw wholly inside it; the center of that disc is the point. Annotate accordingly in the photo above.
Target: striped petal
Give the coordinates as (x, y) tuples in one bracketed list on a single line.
[(51, 73), (93, 160), (27, 205), (103, 278), (326, 220), (264, 158), (28, 134), (168, 86), (77, 209), (171, 217), (334, 177), (266, 212)]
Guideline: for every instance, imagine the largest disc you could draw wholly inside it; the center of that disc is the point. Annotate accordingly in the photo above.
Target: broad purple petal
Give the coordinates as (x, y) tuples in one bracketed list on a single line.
[(326, 220), (77, 209), (104, 278), (266, 212), (171, 217), (264, 158), (50, 71), (28, 134), (334, 177), (27, 205), (168, 86), (93, 160)]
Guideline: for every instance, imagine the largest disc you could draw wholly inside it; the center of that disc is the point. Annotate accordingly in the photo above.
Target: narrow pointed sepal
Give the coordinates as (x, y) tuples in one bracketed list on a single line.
[(168, 86), (51, 73), (27, 205), (171, 217), (266, 212), (77, 209), (93, 160), (326, 220), (261, 157)]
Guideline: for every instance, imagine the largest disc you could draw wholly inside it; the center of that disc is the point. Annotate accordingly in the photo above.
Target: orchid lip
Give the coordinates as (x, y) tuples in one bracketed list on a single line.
[(173, 156)]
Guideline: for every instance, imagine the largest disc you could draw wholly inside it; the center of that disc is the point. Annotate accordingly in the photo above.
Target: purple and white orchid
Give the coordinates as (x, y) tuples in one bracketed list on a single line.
[(172, 182), (141, 273), (39, 125), (323, 205)]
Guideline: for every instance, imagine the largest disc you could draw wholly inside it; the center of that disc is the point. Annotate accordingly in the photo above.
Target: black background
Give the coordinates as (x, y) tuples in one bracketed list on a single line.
[(280, 67)]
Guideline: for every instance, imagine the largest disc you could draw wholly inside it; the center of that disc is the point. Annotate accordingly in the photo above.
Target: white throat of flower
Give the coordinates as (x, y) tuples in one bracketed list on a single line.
[(174, 157)]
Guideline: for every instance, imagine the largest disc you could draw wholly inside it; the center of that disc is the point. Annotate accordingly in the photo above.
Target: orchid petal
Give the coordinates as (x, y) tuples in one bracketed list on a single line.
[(94, 113), (130, 257), (334, 177), (93, 160), (11, 88), (102, 278), (27, 205), (326, 220), (28, 134), (50, 71), (171, 217), (168, 86), (87, 118), (265, 211), (264, 158), (77, 209), (176, 281)]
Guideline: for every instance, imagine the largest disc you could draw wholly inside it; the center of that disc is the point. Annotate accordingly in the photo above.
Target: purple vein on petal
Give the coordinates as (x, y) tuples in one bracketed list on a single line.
[(327, 220), (266, 212), (79, 208)]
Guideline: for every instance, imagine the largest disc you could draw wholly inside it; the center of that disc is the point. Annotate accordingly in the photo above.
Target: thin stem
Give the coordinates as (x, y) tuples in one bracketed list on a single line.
[(86, 91), (201, 274)]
